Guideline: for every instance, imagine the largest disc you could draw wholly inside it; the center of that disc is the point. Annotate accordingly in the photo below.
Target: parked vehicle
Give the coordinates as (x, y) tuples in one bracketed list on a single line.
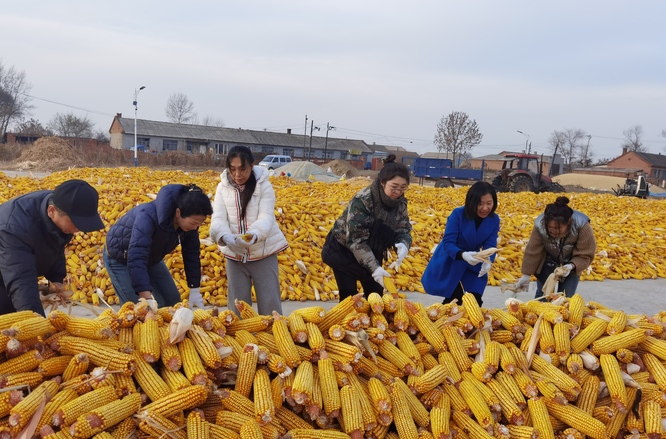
[(443, 172), (524, 173), (275, 161), (635, 187)]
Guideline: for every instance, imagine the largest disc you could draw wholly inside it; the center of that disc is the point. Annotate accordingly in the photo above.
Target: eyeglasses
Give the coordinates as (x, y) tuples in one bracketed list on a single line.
[(398, 190)]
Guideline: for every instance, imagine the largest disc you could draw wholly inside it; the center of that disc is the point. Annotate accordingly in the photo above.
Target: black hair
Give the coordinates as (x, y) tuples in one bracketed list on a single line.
[(193, 201), (392, 169), (247, 159), (558, 211), (473, 198)]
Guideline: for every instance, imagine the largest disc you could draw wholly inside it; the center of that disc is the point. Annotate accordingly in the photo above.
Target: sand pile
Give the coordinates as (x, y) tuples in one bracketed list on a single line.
[(49, 154), (595, 182), (302, 171), (341, 167)]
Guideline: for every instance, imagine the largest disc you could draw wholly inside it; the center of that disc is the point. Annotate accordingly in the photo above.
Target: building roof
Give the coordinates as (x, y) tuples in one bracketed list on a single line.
[(170, 130), (656, 160)]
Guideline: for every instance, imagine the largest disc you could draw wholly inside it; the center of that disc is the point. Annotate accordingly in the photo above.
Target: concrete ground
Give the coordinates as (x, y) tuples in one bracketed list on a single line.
[(632, 296)]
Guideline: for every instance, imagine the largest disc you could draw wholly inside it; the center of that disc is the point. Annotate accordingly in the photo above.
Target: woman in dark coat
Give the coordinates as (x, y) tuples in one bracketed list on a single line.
[(453, 269)]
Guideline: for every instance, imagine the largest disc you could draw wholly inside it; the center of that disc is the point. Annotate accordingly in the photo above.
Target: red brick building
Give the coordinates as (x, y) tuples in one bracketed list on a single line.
[(653, 165)]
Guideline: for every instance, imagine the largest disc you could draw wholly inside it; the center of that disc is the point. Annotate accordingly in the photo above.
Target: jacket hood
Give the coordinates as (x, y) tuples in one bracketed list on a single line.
[(165, 203), (260, 173)]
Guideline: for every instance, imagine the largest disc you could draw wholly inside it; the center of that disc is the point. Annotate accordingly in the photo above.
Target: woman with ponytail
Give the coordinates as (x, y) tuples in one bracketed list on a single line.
[(561, 237), (244, 226), (374, 221)]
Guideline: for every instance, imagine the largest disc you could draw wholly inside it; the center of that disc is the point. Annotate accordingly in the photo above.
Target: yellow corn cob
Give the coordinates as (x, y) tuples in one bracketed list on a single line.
[(219, 432), (245, 309), (192, 365), (157, 425), (247, 367), (381, 401), (624, 355), (418, 411), (402, 418), (177, 401), (264, 408), (197, 427), (169, 354), (7, 320), (285, 344), (564, 382), (105, 416), (329, 389), (29, 328), (510, 409), (351, 411), (576, 309), (587, 399), (150, 381), (471, 427), (304, 433), (578, 419), (253, 324), (439, 418), (396, 357), (23, 363), (612, 343), (204, 347), (527, 386), (472, 310), (562, 340), (61, 398), (124, 429), (540, 419), (476, 403), (522, 432), (587, 335), (232, 400), (97, 354), (617, 323), (363, 395), (20, 414), (297, 328), (301, 389), (149, 340), (656, 369), (312, 314), (9, 399), (654, 346), (69, 412), (350, 353), (81, 326), (338, 312), (250, 430), (30, 379), (512, 388), (614, 381), (457, 349), (390, 285), (290, 420), (653, 419), (431, 379), (234, 422)]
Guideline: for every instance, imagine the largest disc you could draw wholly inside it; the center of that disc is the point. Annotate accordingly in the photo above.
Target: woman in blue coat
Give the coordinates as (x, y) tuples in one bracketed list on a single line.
[(453, 269)]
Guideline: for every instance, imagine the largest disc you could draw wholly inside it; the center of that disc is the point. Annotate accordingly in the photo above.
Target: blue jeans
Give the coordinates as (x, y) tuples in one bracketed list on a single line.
[(569, 285), (164, 287)]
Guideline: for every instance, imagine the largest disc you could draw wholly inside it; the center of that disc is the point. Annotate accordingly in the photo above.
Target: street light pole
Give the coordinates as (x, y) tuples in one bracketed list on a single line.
[(328, 128), (136, 108), (311, 128), (528, 148)]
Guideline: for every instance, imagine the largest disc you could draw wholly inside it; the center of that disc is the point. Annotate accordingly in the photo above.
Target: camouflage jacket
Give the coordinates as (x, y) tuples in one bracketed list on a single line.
[(353, 228)]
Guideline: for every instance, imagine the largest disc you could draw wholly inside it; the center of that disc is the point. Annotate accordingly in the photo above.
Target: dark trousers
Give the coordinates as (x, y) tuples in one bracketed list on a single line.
[(458, 293), (347, 270)]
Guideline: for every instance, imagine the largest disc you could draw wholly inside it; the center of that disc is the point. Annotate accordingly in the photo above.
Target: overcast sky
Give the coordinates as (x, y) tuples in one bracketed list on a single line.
[(382, 71)]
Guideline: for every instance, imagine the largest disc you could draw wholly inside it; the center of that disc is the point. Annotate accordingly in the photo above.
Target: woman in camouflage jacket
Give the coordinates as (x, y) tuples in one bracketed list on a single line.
[(374, 221)]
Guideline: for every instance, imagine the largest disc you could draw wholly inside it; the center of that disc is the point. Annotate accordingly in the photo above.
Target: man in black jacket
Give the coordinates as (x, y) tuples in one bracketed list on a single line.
[(34, 230)]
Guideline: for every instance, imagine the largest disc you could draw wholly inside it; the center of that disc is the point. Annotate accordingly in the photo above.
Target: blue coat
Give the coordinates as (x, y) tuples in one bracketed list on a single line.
[(146, 234), (443, 272)]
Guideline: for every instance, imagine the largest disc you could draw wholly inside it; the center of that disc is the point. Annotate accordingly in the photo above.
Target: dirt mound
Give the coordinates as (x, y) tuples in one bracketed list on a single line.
[(341, 167), (49, 154), (604, 183)]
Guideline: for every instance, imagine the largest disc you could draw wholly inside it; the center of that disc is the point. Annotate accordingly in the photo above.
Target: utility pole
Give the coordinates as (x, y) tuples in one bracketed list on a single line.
[(328, 128), (305, 133), (585, 157), (311, 128), (528, 145)]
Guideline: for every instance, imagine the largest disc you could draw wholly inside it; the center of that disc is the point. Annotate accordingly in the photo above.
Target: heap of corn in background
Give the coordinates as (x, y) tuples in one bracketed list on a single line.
[(630, 233), (534, 370)]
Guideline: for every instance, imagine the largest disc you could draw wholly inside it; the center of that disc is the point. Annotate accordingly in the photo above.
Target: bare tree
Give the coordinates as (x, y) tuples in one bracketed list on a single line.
[(31, 127), (211, 121), (570, 143), (634, 142), (70, 125), (14, 99), (102, 136), (457, 134), (179, 109)]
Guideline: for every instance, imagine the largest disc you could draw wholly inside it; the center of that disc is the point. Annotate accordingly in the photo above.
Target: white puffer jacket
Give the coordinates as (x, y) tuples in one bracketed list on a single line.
[(259, 218)]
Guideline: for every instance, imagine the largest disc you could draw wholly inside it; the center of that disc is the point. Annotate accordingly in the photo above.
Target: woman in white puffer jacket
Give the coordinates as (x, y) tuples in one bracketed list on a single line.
[(244, 225)]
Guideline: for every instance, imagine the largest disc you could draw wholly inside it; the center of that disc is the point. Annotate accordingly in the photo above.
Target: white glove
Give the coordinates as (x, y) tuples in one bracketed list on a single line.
[(152, 303), (485, 268), (523, 282), (241, 242), (379, 274), (230, 242), (567, 269), (196, 299), (470, 258), (401, 250)]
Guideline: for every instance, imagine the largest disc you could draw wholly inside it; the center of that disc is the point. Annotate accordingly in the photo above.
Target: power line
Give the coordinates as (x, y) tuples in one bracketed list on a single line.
[(69, 106)]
